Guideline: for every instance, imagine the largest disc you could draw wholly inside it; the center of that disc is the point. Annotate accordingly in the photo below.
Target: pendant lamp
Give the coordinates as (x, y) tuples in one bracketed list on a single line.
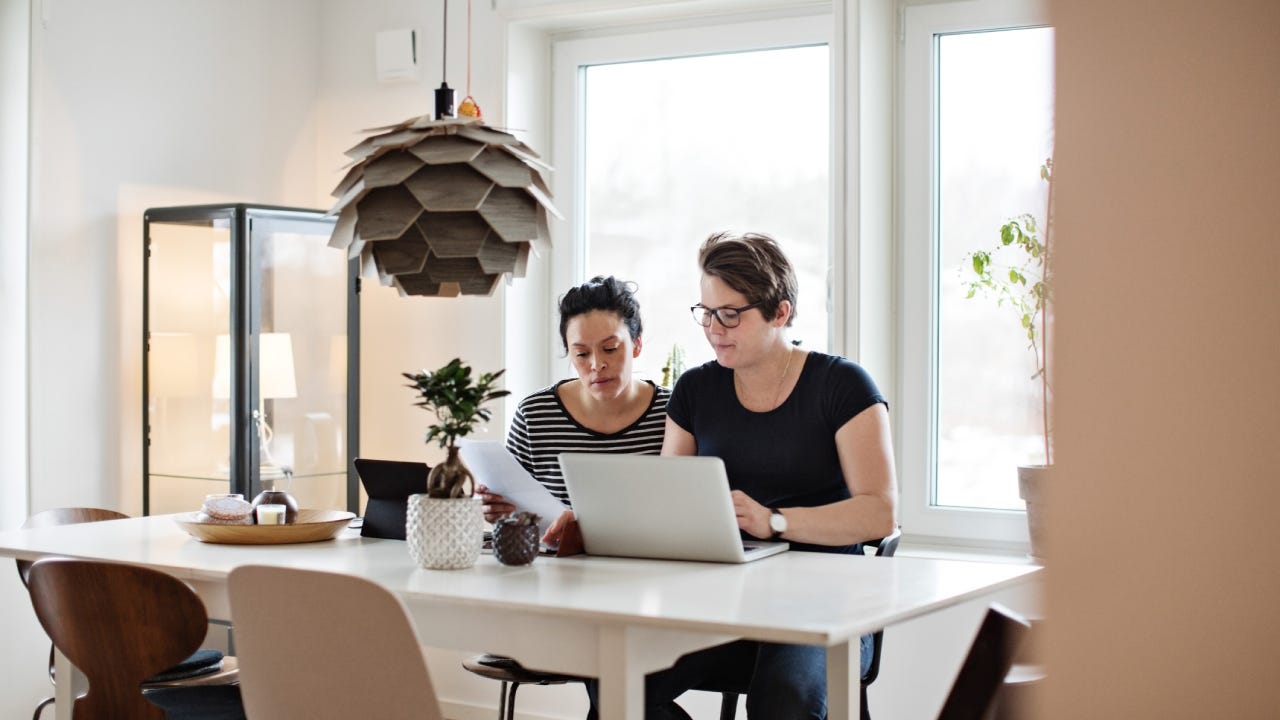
[(443, 206)]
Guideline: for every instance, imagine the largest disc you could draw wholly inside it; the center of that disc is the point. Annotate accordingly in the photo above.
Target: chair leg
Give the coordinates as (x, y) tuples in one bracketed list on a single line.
[(40, 708), (864, 713), (502, 701), (728, 706), (511, 702)]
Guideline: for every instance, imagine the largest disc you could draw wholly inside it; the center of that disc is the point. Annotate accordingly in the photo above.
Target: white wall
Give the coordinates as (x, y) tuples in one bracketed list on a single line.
[(137, 104), (15, 36)]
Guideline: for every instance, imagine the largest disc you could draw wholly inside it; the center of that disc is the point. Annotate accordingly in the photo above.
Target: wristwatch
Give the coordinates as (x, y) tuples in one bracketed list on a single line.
[(777, 523)]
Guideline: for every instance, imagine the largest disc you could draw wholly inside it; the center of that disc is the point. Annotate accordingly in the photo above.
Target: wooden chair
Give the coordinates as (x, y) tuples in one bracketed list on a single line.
[(121, 625), (49, 518), (976, 687), (200, 663), (320, 645), (885, 547)]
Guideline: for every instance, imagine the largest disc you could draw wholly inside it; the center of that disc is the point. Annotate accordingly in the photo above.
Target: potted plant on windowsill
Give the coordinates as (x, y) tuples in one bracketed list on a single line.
[(444, 526), (1017, 274)]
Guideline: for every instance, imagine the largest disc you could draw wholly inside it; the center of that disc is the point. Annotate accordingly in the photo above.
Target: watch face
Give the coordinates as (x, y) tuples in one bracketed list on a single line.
[(778, 523)]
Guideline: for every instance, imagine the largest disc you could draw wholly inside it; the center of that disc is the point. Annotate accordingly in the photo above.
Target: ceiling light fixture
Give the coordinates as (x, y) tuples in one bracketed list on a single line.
[(443, 206)]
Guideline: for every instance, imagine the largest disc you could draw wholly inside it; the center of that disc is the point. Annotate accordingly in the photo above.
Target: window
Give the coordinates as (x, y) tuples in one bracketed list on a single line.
[(978, 124), (663, 138)]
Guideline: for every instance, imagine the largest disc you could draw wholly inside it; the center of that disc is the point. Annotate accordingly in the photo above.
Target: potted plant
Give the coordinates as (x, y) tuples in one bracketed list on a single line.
[(1017, 274), (444, 526)]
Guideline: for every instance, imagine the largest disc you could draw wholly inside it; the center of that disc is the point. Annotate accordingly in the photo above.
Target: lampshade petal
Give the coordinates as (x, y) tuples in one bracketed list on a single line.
[(352, 195), (512, 214), (497, 255), (480, 284), (449, 188), (542, 194), (422, 284), (391, 169), (453, 234), (522, 151), (344, 230), (503, 168), (351, 178), (441, 149), (487, 135), (385, 213), (404, 255)]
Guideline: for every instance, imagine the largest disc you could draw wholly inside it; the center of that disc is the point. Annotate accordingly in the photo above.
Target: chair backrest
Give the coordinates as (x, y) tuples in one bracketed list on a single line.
[(64, 516), (986, 665), (315, 644), (119, 624), (885, 547)]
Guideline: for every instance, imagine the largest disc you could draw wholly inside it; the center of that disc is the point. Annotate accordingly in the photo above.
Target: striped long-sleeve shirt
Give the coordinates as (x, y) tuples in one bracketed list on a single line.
[(543, 428)]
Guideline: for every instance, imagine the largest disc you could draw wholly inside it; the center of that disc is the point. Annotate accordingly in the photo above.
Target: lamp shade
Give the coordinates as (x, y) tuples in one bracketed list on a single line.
[(275, 367), (442, 207)]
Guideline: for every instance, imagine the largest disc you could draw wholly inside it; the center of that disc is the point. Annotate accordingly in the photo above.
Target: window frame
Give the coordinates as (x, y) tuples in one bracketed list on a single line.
[(571, 53), (919, 269)]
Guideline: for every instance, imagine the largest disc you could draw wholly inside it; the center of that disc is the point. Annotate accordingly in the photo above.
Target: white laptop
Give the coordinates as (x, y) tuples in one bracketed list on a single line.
[(649, 506)]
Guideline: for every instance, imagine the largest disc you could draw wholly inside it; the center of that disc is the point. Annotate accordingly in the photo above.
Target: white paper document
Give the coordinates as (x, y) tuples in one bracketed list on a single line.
[(495, 468)]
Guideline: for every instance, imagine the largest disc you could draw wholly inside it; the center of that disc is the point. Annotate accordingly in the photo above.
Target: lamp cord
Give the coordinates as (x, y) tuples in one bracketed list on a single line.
[(468, 47)]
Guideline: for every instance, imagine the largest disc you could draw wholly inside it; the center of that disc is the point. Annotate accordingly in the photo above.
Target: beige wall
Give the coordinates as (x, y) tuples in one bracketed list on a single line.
[(1164, 581)]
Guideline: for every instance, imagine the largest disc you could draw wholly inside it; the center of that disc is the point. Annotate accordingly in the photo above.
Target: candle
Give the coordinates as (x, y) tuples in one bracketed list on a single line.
[(270, 514)]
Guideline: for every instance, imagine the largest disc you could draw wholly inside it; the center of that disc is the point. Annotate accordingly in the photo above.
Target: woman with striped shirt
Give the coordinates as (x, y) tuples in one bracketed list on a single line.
[(604, 409)]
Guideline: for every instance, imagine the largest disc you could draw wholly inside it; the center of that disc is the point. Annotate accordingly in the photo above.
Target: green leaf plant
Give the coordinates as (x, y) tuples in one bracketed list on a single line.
[(1017, 274), (456, 398)]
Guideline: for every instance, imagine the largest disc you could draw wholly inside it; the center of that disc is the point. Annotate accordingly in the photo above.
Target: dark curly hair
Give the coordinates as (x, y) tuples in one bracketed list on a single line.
[(753, 265), (601, 293)]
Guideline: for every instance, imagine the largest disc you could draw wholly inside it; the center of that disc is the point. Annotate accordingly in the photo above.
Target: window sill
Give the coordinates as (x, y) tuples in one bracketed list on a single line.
[(942, 549)]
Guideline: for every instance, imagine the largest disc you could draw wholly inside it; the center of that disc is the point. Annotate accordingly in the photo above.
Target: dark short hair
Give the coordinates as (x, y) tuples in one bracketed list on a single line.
[(601, 293), (754, 265)]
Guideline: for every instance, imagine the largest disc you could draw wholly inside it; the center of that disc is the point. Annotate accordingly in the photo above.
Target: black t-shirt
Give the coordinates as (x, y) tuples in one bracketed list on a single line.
[(785, 457)]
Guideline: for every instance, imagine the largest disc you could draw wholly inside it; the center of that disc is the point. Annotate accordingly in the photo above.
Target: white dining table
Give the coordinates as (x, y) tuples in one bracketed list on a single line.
[(613, 618)]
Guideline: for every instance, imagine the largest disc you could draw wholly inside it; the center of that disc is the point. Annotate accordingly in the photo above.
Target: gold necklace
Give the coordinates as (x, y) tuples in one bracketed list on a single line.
[(782, 379), (777, 395)]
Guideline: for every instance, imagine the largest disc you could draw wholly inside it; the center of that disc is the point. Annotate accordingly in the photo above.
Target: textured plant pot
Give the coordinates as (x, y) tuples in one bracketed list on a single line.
[(444, 533), (1033, 481), (515, 544)]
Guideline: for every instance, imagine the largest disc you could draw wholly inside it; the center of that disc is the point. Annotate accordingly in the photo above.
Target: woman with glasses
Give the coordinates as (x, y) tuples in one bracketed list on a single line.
[(805, 439), (604, 409)]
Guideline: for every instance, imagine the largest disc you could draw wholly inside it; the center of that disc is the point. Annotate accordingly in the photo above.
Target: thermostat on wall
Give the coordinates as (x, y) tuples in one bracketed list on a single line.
[(397, 56)]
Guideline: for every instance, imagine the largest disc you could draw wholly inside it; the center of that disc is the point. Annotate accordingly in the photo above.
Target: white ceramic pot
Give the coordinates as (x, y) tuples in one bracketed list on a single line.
[(444, 533), (1033, 481)]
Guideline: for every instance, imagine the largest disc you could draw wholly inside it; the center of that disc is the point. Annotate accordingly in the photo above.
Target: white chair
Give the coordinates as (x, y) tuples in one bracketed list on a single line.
[(315, 645)]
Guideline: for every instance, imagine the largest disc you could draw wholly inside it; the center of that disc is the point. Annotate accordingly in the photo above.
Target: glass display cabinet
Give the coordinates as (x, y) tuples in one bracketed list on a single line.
[(250, 357)]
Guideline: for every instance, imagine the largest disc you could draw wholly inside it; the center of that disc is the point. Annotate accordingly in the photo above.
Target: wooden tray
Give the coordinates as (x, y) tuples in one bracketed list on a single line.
[(311, 526)]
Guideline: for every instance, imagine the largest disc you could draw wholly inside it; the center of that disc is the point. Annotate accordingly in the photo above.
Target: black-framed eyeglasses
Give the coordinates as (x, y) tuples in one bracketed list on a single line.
[(729, 317)]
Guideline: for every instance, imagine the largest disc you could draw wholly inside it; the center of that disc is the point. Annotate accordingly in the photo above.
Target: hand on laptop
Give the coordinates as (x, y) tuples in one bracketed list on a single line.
[(556, 531), (495, 505), (753, 518)]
